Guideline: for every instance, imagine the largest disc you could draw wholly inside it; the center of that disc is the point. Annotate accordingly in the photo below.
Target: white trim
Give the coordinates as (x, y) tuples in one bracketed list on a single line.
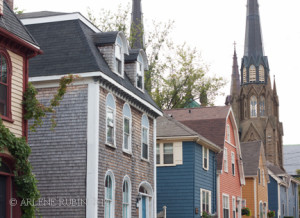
[(209, 200), (150, 195), (58, 18), (109, 79), (154, 166), (129, 150), (92, 149), (126, 178), (110, 173), (207, 153), (218, 196), (255, 197)]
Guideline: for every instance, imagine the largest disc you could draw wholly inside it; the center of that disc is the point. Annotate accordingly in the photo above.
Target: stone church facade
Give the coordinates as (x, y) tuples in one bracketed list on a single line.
[(253, 99)]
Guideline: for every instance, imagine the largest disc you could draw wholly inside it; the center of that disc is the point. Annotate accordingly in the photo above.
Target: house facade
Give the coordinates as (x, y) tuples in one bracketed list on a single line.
[(101, 156), (255, 191), (186, 170), (218, 125), (16, 47), (283, 192)]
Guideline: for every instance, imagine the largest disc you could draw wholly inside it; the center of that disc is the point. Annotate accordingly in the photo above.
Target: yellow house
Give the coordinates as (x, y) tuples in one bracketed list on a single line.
[(255, 191)]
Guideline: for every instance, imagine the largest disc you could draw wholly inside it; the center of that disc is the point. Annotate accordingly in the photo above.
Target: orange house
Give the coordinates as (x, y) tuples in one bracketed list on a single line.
[(255, 192)]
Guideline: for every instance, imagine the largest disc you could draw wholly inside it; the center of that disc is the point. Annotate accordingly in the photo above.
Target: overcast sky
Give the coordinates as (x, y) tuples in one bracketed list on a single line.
[(212, 26)]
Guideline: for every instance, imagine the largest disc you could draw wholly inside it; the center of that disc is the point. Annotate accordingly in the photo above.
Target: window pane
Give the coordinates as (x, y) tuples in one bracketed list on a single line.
[(139, 81), (126, 125), (168, 153), (145, 151), (157, 154), (110, 126), (3, 100), (3, 69), (145, 135)]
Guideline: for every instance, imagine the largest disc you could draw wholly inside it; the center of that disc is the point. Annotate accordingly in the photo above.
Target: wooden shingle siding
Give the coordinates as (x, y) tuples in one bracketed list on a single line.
[(16, 94), (120, 163), (59, 158), (205, 179)]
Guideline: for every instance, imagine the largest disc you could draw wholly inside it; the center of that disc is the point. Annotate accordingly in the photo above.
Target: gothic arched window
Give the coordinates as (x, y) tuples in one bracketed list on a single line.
[(261, 73), (253, 106), (262, 106), (252, 74)]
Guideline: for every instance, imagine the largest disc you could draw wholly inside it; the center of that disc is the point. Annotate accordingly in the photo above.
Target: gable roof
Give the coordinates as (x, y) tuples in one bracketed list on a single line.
[(167, 127), (10, 23), (251, 152), (69, 48)]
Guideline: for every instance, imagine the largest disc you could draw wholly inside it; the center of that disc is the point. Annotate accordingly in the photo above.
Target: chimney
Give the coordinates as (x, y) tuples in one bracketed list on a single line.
[(10, 4)]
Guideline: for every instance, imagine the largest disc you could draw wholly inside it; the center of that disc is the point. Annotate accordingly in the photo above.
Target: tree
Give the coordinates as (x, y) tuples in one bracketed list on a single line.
[(177, 74)]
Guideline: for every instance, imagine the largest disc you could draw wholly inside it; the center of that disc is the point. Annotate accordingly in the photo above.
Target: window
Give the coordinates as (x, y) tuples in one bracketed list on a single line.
[(5, 85), (110, 120), (225, 160), (253, 106), (243, 203), (225, 206), (205, 158), (157, 154), (262, 106), (261, 73), (145, 137), (126, 198), (119, 56), (244, 75), (168, 153), (258, 172), (145, 203), (261, 212), (140, 72), (233, 207), (228, 132), (205, 200), (263, 177), (252, 73), (233, 163), (109, 195), (126, 128)]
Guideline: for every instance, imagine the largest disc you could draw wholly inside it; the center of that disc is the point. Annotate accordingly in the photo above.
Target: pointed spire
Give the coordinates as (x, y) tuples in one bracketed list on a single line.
[(274, 87), (137, 27), (235, 76), (253, 38)]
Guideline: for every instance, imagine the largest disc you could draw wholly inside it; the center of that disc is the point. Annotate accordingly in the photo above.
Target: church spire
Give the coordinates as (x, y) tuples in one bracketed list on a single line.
[(137, 27), (235, 76), (253, 38)]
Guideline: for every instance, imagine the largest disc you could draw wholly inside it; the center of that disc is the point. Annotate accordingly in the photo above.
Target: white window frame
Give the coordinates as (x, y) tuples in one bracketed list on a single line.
[(163, 154), (148, 145), (228, 133), (112, 211), (129, 150), (263, 177), (201, 198), (252, 73), (253, 106), (140, 64), (149, 200), (205, 150), (114, 121), (225, 160), (233, 163), (127, 179), (119, 45), (233, 207), (226, 196)]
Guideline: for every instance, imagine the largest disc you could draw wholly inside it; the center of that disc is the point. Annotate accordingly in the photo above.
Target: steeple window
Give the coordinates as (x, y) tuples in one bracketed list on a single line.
[(252, 74), (244, 75), (261, 73), (262, 103), (253, 106)]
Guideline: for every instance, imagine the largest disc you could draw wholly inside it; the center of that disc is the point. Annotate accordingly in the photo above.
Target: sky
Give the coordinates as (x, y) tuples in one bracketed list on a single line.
[(212, 26)]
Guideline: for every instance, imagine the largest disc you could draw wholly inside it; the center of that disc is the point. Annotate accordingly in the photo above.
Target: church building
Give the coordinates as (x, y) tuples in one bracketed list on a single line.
[(253, 99)]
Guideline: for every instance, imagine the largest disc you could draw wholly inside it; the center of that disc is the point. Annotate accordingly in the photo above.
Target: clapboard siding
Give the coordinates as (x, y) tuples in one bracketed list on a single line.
[(59, 157), (273, 195), (175, 185), (205, 179), (16, 94), (292, 199)]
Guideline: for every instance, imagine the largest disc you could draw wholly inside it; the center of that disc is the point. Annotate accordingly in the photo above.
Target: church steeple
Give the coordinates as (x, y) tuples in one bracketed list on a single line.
[(235, 76), (255, 67), (137, 27)]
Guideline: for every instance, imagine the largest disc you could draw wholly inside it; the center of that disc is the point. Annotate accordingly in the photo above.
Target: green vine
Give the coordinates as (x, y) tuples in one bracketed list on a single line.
[(36, 111), (25, 181)]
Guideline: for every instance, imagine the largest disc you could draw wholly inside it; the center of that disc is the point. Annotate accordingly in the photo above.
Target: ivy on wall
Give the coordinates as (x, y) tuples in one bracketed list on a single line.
[(25, 181)]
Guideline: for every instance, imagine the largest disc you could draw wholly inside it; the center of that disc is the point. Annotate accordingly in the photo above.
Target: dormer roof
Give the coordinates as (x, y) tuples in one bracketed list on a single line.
[(133, 57)]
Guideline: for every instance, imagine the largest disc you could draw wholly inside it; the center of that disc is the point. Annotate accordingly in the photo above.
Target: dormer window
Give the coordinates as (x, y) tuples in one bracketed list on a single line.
[(119, 56), (140, 72)]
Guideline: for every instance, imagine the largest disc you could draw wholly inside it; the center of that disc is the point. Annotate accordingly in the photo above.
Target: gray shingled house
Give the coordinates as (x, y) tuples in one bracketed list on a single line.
[(100, 160)]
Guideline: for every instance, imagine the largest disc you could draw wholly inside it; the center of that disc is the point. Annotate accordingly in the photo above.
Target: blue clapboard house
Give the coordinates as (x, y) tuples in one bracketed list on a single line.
[(186, 170)]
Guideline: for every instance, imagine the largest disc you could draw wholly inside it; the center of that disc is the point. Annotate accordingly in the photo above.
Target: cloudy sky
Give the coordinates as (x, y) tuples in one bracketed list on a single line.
[(212, 26)]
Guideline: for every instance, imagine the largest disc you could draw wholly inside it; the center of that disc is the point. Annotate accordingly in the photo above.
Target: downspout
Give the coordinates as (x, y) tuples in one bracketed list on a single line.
[(154, 165)]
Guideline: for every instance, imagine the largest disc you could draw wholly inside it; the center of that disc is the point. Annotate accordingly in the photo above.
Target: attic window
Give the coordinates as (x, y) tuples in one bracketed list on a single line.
[(119, 56), (140, 72)]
